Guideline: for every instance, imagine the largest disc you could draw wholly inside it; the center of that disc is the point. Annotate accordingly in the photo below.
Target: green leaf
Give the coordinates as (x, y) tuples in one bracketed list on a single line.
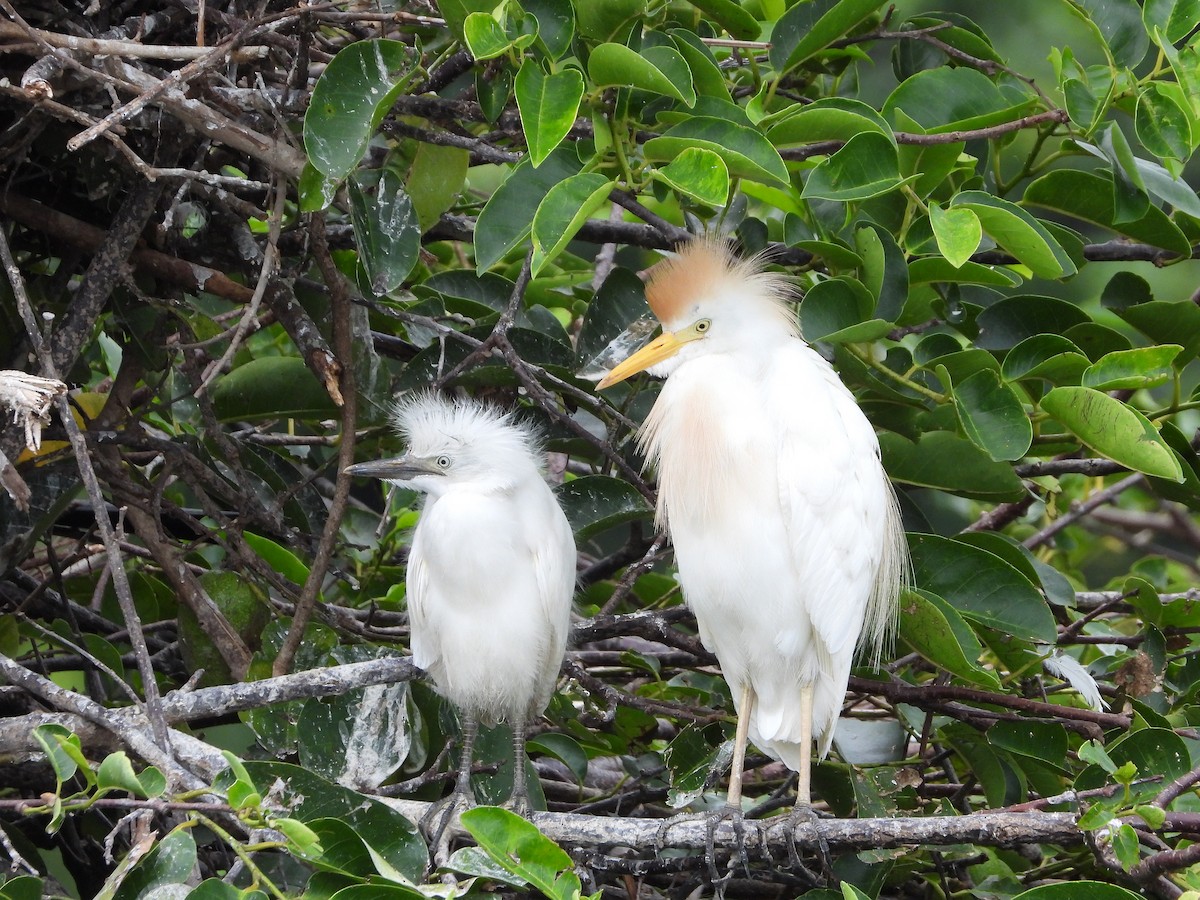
[(1163, 124), (556, 24), (523, 850), (1013, 319), (1175, 19), (981, 586), (485, 37), (505, 221), (271, 387), (1168, 322), (728, 14), (827, 119), (562, 213), (952, 99), (944, 461), (659, 70), (1018, 232), (116, 773), (691, 759), (1168, 187), (1119, 25), (1047, 356), (1088, 196), (386, 230), (746, 152), (837, 311), (170, 862), (707, 78), (1113, 429), (1078, 890), (807, 28), (394, 840), (612, 20), (933, 628), (866, 166), (620, 301), (1130, 201), (594, 503), (884, 271), (548, 106), (63, 752), (957, 231), (350, 99), (278, 557), (1125, 846), (435, 180), (1039, 740), (1132, 369), (564, 748), (698, 173), (992, 416)]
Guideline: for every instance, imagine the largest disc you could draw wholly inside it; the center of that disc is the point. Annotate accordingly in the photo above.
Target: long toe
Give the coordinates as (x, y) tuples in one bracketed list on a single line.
[(805, 822)]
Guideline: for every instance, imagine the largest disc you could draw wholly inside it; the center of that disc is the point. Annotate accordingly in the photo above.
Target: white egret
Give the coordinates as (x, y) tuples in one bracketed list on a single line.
[(786, 531), (491, 571)]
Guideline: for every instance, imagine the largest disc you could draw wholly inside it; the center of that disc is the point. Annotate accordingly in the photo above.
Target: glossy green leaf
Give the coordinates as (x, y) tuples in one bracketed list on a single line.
[(1013, 319), (339, 848), (393, 838), (1176, 19), (866, 166), (435, 181), (1017, 232), (611, 20), (1119, 24), (958, 232), (349, 100), (170, 862), (660, 70), (1089, 197), (1167, 322), (1168, 187), (564, 748), (1132, 369), (951, 99), (981, 586), (691, 758), (746, 152), (562, 213), (556, 24), (485, 37), (270, 387), (506, 220), (707, 78), (1078, 890), (700, 174), (1113, 429), (807, 28), (1046, 356), (520, 848), (884, 271), (1040, 740), (839, 309), (548, 106), (620, 301), (932, 269), (1163, 124), (827, 119), (944, 461), (594, 503), (1130, 201), (386, 230), (992, 416), (63, 752), (116, 773), (739, 23), (933, 628)]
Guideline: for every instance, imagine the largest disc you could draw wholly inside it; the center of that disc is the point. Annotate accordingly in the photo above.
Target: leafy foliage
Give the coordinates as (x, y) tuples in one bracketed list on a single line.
[(989, 221)]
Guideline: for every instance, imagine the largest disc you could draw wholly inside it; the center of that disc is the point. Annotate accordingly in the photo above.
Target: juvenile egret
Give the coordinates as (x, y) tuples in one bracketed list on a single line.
[(786, 531), (491, 571)]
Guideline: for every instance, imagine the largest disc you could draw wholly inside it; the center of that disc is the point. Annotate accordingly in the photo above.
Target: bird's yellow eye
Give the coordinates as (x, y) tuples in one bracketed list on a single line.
[(702, 326), (443, 462)]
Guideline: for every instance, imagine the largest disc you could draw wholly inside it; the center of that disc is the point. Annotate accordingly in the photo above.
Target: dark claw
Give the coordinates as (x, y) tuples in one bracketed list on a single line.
[(801, 816)]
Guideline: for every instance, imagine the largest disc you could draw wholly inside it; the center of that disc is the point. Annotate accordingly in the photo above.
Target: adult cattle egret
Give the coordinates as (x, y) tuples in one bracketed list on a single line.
[(491, 571), (786, 531)]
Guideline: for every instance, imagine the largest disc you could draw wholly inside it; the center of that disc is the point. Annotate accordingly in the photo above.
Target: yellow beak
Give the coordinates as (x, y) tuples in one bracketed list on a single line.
[(662, 347)]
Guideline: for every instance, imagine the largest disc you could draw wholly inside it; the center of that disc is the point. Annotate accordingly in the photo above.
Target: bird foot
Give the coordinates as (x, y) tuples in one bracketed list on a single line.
[(436, 822), (519, 804), (804, 821), (712, 821)]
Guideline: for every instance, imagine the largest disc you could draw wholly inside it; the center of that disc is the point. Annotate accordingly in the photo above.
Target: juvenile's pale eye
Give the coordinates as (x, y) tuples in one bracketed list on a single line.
[(443, 462)]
